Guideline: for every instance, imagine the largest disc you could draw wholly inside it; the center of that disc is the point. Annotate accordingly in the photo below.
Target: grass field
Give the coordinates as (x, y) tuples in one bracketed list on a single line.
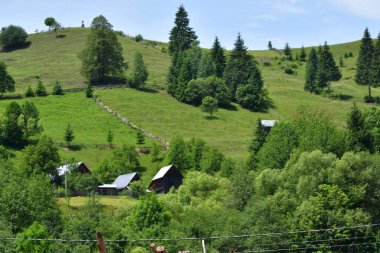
[(109, 203), (89, 122), (54, 59)]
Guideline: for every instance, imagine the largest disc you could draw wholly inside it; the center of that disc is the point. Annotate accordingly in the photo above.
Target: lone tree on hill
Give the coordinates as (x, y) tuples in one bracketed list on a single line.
[(209, 105), (288, 52), (7, 84), (140, 138), (270, 47), (140, 72), (89, 91), (69, 135), (40, 90), (12, 37), (217, 54), (102, 58), (181, 36), (50, 21), (57, 89), (375, 64), (110, 138)]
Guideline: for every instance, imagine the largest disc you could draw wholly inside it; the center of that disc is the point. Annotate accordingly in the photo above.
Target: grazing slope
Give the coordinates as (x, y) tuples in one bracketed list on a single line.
[(57, 59)]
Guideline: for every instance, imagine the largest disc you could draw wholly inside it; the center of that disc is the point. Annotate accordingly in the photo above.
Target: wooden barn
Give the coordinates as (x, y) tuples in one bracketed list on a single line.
[(121, 183), (166, 178), (67, 168)]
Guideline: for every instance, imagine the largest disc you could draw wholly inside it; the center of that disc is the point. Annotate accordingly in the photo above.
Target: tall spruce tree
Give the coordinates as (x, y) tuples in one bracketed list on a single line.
[(288, 52), (311, 72), (327, 69), (238, 67), (181, 36), (217, 54), (363, 66), (206, 66), (140, 72), (102, 58), (259, 140), (375, 65)]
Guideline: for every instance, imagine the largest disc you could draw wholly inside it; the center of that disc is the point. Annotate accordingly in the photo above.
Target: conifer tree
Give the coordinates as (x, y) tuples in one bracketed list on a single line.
[(140, 138), (181, 36), (270, 47), (288, 52), (89, 91), (311, 72), (140, 72), (362, 75), (259, 139), (57, 89), (375, 65), (110, 137), (69, 135), (327, 69), (29, 92), (238, 66), (206, 66), (217, 54), (303, 54), (40, 90)]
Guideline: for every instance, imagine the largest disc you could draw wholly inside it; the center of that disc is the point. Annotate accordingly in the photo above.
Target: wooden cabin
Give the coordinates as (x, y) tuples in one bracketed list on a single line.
[(166, 178), (67, 168), (121, 183)]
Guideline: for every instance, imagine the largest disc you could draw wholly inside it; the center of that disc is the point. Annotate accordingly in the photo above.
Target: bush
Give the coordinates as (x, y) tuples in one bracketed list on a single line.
[(57, 90), (289, 71), (12, 37), (368, 99), (139, 38), (29, 92)]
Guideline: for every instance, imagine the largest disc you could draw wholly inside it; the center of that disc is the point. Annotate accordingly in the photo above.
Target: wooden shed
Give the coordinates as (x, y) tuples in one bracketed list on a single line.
[(166, 178), (266, 125), (121, 183), (67, 168)]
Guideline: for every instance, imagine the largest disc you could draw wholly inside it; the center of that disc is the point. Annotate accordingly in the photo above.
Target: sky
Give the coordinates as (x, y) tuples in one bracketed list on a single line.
[(297, 22)]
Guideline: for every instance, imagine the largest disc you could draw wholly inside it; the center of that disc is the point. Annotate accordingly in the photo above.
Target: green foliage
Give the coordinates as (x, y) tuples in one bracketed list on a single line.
[(29, 92), (12, 37), (124, 160), (7, 84), (288, 52), (49, 21), (11, 131), (138, 188), (110, 137), (35, 231), (139, 38), (181, 36), (57, 89), (195, 91), (40, 90), (140, 72), (69, 135), (363, 65), (89, 91), (375, 64), (206, 66), (270, 47), (102, 58), (155, 151), (358, 135), (217, 88), (42, 158), (140, 138), (302, 54), (209, 105), (178, 154), (29, 120), (327, 70), (217, 54), (259, 138), (79, 183)]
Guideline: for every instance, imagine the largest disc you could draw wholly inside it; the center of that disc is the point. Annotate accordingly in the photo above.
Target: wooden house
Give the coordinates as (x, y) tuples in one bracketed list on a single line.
[(266, 125), (166, 178), (121, 183), (67, 168)]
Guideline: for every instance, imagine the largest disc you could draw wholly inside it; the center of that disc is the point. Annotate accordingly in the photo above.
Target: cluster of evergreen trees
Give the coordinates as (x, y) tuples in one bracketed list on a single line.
[(368, 64), (236, 79), (321, 70)]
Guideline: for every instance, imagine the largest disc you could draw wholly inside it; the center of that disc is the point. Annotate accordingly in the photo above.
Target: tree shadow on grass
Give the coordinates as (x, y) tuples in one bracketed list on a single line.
[(148, 90), (229, 107), (266, 105), (213, 117), (60, 36), (74, 147), (16, 47)]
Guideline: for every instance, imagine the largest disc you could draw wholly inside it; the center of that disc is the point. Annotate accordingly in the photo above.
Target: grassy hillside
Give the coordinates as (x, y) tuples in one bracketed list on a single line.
[(89, 122), (54, 58)]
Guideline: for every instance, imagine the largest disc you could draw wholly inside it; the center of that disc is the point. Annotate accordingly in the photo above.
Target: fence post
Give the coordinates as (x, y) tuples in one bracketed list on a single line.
[(101, 243)]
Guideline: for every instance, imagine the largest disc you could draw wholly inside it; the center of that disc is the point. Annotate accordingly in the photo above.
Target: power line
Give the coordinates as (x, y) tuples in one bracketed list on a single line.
[(275, 234), (306, 248)]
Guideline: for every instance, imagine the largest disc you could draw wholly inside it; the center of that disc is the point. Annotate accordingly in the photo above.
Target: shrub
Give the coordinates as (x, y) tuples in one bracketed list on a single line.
[(57, 90), (139, 38), (29, 92), (12, 37), (289, 71), (40, 90), (368, 99)]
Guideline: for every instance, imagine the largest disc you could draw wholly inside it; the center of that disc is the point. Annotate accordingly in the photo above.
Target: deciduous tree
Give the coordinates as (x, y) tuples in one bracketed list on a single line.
[(209, 105), (12, 37), (7, 84)]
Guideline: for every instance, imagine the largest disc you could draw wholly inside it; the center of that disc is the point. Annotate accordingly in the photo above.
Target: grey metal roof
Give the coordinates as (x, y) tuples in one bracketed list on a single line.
[(121, 182), (161, 173), (268, 123)]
